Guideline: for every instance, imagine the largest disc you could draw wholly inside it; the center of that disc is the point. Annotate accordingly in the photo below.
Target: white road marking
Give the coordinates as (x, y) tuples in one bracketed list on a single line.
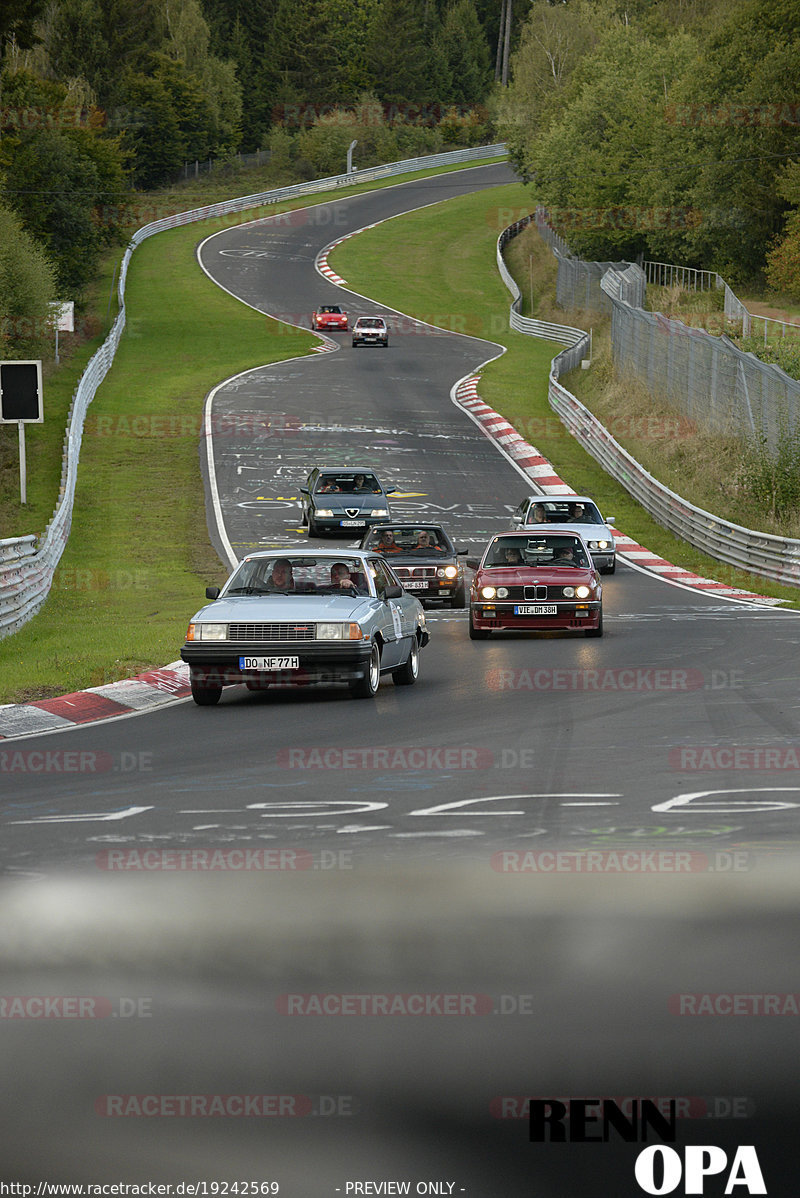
[(74, 819)]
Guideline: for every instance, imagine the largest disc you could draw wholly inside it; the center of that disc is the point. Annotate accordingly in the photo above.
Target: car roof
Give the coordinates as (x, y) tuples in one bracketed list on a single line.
[(409, 524), (345, 470), (305, 551), (562, 499)]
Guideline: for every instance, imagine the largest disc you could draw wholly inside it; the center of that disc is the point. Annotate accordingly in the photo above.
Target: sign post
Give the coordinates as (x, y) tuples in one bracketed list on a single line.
[(21, 403), (63, 317)]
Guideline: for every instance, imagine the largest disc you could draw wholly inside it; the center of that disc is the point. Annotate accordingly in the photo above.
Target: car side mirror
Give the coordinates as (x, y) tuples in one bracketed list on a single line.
[(609, 519), (389, 490), (473, 562), (394, 592), (303, 490), (462, 552), (212, 592)]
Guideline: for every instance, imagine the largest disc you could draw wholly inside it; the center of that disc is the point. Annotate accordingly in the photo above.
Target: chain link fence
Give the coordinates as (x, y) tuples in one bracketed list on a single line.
[(707, 377)]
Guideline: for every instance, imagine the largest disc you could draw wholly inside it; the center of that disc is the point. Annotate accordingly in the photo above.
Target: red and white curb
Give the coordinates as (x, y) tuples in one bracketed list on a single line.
[(543, 475), (127, 697)]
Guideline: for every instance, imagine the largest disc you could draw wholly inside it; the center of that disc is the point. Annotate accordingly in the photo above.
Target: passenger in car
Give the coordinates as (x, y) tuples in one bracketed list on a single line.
[(281, 578), (537, 514)]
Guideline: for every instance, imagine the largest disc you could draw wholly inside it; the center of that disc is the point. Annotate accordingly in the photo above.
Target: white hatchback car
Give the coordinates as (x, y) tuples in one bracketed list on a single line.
[(370, 330), (573, 511)]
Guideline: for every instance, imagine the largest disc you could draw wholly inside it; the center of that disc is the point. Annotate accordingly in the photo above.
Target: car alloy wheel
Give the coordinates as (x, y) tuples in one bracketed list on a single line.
[(366, 687), (408, 673)]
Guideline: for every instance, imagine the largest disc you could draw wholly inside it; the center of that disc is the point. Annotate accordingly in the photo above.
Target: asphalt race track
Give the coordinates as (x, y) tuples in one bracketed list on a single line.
[(408, 846)]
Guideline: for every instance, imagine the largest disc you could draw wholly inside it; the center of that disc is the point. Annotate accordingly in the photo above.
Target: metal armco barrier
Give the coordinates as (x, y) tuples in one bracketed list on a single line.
[(26, 576), (764, 554)]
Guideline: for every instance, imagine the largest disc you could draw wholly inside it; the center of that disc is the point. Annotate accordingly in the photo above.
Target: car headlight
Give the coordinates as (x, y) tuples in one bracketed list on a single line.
[(324, 511), (599, 545), (380, 511), (569, 592), (583, 592), (451, 571), (502, 592), (339, 632), (488, 592), (207, 632)]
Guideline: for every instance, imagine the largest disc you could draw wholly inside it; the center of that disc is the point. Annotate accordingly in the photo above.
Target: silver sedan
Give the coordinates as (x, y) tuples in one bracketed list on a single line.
[(299, 618)]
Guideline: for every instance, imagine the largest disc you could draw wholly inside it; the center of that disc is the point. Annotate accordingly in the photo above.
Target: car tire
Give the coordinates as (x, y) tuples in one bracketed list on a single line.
[(460, 596), (477, 634), (612, 569), (408, 673), (205, 696), (313, 531), (598, 631), (367, 687), (355, 343)]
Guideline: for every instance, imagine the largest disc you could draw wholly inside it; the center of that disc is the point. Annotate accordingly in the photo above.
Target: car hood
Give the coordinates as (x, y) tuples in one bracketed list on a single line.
[(553, 576), (360, 503), (419, 559), (263, 609)]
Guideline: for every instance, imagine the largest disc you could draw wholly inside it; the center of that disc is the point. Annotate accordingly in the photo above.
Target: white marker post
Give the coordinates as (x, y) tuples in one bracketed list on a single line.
[(63, 317)]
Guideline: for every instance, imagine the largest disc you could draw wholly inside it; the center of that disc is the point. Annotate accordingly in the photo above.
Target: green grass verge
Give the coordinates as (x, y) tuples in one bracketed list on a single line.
[(393, 263), (139, 557)]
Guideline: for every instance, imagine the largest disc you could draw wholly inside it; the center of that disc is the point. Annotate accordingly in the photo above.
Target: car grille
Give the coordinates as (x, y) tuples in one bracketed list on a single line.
[(414, 571), (534, 592), (272, 632)]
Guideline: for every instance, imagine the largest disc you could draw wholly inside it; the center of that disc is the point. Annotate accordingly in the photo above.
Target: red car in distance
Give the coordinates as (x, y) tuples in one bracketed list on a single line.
[(536, 581), (330, 316)]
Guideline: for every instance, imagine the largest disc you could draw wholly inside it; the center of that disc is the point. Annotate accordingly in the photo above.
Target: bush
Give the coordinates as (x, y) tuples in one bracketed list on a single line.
[(772, 478)]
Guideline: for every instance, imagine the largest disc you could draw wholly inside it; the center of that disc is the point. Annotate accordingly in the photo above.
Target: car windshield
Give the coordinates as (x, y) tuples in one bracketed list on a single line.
[(554, 550), (370, 322), (331, 310), (563, 511), (349, 483), (298, 575), (410, 539)]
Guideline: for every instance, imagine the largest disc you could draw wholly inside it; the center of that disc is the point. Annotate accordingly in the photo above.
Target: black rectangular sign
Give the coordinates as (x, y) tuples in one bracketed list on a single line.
[(21, 392)]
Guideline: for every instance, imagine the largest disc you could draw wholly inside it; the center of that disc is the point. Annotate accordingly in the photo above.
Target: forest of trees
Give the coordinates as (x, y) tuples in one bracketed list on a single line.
[(665, 127), (100, 98)]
